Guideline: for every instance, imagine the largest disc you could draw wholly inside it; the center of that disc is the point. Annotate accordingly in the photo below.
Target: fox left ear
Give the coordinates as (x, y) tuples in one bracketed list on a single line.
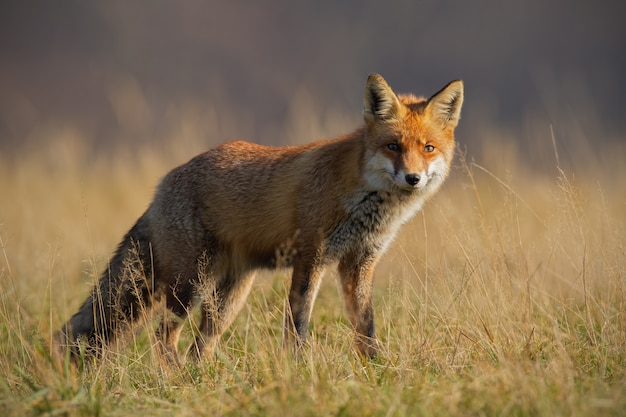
[(445, 105), (380, 103)]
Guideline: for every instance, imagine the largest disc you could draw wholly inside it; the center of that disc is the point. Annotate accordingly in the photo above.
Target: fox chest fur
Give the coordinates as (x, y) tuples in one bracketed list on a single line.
[(371, 222)]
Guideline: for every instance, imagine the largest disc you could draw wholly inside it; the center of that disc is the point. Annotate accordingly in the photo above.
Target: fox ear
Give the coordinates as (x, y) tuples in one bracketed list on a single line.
[(380, 103), (445, 106)]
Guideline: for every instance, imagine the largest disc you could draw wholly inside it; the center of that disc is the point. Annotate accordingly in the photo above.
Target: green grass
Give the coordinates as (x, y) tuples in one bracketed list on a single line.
[(506, 296)]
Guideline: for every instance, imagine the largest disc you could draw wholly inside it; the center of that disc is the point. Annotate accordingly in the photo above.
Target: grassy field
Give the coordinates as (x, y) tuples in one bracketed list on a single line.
[(506, 296)]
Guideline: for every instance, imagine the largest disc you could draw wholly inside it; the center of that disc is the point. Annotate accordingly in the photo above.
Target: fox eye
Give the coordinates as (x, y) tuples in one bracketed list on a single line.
[(429, 148), (393, 146)]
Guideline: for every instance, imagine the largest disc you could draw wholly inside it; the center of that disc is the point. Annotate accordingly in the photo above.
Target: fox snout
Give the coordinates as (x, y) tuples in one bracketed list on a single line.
[(412, 179)]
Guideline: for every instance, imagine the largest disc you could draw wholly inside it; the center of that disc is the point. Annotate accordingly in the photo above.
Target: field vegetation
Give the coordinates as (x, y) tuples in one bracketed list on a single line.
[(505, 296)]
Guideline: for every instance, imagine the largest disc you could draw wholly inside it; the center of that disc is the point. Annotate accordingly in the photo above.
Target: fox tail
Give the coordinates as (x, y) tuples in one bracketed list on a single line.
[(124, 288)]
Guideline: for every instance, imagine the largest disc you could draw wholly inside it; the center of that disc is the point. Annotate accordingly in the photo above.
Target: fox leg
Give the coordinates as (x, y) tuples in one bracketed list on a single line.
[(305, 283), (219, 308), (356, 280), (179, 301), (167, 335)]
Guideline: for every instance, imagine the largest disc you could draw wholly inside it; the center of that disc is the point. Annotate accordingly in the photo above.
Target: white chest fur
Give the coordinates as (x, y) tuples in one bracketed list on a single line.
[(372, 222)]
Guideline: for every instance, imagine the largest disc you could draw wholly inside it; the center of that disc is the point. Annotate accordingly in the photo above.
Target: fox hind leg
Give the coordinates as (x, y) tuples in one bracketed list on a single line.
[(179, 301), (220, 305)]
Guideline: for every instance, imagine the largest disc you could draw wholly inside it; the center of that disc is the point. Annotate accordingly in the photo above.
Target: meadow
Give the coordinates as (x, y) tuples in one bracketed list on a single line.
[(505, 296)]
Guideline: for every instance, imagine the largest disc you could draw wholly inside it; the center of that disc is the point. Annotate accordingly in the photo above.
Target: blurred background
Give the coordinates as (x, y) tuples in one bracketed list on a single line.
[(276, 72)]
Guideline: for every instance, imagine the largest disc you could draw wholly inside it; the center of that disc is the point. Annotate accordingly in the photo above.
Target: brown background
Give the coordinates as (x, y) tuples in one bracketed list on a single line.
[(124, 72)]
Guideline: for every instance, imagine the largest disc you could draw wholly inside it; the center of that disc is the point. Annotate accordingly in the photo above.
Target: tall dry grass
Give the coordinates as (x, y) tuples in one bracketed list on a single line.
[(505, 296)]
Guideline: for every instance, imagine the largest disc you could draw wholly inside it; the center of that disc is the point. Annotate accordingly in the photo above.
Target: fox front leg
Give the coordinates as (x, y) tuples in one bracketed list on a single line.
[(357, 274), (305, 283)]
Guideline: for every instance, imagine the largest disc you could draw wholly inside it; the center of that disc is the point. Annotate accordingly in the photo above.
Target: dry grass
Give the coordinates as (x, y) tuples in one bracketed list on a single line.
[(506, 296)]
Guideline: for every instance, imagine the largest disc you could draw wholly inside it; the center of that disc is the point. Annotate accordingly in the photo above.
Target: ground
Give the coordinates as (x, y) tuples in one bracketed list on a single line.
[(505, 296)]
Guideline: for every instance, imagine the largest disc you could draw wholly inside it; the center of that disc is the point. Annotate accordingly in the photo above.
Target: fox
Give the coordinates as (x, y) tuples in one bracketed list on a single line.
[(242, 207)]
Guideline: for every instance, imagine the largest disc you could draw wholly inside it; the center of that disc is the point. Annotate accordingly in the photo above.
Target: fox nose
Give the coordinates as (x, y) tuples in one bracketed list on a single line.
[(412, 179)]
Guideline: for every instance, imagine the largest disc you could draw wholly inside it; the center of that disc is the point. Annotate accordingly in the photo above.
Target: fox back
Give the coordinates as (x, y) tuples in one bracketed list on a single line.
[(240, 207)]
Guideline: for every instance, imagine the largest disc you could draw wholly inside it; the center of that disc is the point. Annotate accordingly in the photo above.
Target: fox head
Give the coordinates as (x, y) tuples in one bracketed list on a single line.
[(409, 140)]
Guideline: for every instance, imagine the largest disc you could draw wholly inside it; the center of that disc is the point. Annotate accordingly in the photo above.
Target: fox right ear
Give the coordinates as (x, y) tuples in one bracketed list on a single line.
[(380, 103), (445, 106)]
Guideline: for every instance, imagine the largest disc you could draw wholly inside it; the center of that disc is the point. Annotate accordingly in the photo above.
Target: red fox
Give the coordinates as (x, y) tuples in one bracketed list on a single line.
[(240, 207)]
